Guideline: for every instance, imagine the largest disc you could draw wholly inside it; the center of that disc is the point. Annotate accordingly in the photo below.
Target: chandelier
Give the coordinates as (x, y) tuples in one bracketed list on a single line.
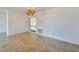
[(30, 11)]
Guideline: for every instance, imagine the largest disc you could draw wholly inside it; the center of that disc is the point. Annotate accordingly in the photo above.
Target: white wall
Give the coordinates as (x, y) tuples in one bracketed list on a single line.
[(3, 22), (18, 22), (60, 23)]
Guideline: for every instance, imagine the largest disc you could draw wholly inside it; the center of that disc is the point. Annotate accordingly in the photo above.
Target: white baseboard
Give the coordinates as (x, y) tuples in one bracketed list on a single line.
[(50, 36), (10, 34)]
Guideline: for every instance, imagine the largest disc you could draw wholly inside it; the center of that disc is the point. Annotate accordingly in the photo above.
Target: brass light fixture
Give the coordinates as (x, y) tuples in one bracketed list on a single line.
[(30, 11)]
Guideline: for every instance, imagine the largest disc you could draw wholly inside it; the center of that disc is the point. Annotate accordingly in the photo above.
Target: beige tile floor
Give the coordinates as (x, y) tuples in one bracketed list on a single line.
[(31, 42)]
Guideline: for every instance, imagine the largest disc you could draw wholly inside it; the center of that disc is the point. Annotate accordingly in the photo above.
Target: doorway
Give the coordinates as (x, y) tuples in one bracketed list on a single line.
[(33, 25), (3, 23)]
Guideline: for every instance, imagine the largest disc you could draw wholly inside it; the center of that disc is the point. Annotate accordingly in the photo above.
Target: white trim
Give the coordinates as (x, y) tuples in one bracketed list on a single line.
[(57, 38), (7, 24)]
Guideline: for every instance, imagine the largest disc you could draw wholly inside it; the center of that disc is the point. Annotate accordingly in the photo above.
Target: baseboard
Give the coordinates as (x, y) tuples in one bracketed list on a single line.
[(57, 38), (11, 34)]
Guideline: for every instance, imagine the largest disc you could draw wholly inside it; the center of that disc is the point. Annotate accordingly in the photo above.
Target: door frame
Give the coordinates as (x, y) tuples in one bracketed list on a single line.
[(7, 22)]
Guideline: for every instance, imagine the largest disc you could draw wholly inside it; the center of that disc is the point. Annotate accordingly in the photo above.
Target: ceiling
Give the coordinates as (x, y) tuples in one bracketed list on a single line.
[(22, 9)]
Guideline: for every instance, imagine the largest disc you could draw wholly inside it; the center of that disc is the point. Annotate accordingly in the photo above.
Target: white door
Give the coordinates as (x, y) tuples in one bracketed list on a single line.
[(3, 22)]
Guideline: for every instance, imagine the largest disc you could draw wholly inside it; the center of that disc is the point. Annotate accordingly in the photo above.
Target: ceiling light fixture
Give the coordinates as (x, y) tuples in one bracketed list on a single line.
[(30, 11)]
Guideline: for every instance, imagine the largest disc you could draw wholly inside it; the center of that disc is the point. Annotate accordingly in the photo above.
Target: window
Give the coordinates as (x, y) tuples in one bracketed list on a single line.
[(33, 24)]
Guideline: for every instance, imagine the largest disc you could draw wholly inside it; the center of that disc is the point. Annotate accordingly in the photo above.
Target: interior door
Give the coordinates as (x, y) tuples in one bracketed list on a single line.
[(3, 21)]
